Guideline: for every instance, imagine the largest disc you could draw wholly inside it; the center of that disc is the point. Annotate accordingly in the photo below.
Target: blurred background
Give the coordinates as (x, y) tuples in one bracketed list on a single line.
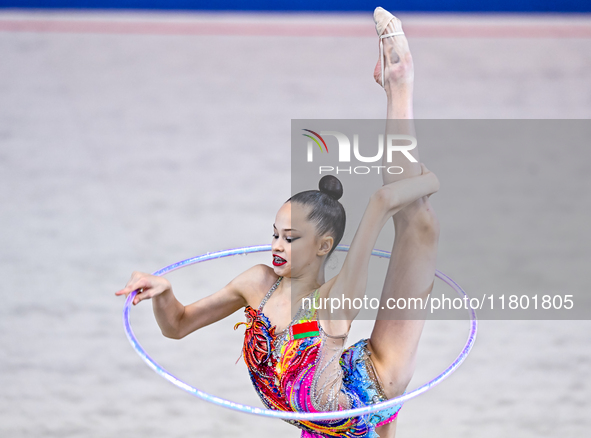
[(535, 6), (137, 134)]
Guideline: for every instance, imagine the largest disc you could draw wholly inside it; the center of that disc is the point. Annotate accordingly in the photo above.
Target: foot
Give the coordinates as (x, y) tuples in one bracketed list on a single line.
[(398, 66)]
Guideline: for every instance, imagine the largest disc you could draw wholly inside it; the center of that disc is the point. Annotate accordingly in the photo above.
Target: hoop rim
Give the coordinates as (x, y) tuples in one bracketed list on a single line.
[(286, 415)]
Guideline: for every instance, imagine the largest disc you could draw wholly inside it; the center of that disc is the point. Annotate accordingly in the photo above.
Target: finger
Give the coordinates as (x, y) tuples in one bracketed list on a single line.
[(138, 284), (125, 291), (140, 296)]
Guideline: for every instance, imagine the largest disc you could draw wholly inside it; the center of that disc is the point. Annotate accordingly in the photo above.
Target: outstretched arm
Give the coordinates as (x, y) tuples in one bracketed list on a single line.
[(176, 320)]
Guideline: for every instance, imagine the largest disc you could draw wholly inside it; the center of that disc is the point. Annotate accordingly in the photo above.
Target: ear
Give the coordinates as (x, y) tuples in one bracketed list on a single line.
[(326, 243)]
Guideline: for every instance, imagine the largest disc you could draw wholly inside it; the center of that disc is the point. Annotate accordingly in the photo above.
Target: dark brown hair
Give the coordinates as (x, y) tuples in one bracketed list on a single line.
[(326, 211)]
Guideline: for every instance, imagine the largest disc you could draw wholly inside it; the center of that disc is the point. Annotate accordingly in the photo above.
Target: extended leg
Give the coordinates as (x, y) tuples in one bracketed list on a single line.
[(411, 269)]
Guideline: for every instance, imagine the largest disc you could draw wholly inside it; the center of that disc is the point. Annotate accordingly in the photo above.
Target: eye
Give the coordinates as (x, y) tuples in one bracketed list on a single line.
[(275, 236), (289, 239)]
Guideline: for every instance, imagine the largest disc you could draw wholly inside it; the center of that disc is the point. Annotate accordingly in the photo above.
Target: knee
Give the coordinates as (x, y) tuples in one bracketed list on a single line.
[(394, 371), (396, 381), (428, 224)]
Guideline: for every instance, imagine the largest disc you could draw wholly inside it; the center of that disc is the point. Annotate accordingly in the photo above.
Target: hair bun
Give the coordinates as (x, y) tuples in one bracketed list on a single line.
[(331, 185)]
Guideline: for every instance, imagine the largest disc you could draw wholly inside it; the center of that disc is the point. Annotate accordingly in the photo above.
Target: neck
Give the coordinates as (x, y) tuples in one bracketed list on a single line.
[(301, 286)]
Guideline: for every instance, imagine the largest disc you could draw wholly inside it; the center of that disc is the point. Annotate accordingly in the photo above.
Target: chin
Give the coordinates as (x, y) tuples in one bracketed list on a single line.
[(282, 271)]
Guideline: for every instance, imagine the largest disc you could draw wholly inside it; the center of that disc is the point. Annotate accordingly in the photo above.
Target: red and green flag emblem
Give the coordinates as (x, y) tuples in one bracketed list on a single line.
[(305, 330)]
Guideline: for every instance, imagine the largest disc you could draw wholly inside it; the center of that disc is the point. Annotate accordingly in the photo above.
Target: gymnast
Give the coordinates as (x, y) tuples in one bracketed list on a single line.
[(300, 363)]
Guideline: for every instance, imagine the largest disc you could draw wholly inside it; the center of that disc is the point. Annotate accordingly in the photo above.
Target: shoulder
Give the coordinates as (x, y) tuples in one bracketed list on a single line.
[(254, 283), (257, 275)]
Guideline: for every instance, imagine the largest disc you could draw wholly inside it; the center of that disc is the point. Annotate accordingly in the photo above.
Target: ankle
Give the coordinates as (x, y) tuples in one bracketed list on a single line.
[(399, 90), (399, 103)]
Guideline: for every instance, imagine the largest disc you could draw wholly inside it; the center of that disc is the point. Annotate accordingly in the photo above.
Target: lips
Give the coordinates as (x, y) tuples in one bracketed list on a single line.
[(278, 261)]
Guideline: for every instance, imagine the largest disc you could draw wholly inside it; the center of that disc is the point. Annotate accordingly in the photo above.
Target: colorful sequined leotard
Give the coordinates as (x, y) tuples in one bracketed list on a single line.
[(303, 369)]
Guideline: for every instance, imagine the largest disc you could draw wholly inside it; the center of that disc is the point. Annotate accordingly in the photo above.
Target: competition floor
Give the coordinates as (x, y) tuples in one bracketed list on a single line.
[(129, 141)]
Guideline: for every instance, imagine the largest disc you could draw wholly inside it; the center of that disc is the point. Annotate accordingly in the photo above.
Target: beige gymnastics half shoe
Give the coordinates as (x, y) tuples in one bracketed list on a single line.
[(382, 18)]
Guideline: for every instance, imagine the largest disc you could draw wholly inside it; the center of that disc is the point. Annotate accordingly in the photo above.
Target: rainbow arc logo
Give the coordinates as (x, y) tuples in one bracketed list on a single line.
[(316, 141)]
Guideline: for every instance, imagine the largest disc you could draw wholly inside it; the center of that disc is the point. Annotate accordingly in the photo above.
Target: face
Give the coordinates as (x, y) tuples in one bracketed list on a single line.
[(293, 235)]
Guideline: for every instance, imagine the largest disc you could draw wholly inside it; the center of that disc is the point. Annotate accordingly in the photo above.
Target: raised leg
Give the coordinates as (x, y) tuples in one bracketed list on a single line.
[(411, 270)]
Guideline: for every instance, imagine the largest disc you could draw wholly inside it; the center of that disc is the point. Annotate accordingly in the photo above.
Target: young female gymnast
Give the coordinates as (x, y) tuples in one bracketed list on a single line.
[(300, 364)]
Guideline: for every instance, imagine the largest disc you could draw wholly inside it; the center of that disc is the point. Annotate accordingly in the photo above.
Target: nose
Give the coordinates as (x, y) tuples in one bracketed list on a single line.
[(276, 245)]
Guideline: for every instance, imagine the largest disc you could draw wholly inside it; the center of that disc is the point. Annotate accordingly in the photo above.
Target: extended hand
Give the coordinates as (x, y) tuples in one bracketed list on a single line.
[(149, 286)]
